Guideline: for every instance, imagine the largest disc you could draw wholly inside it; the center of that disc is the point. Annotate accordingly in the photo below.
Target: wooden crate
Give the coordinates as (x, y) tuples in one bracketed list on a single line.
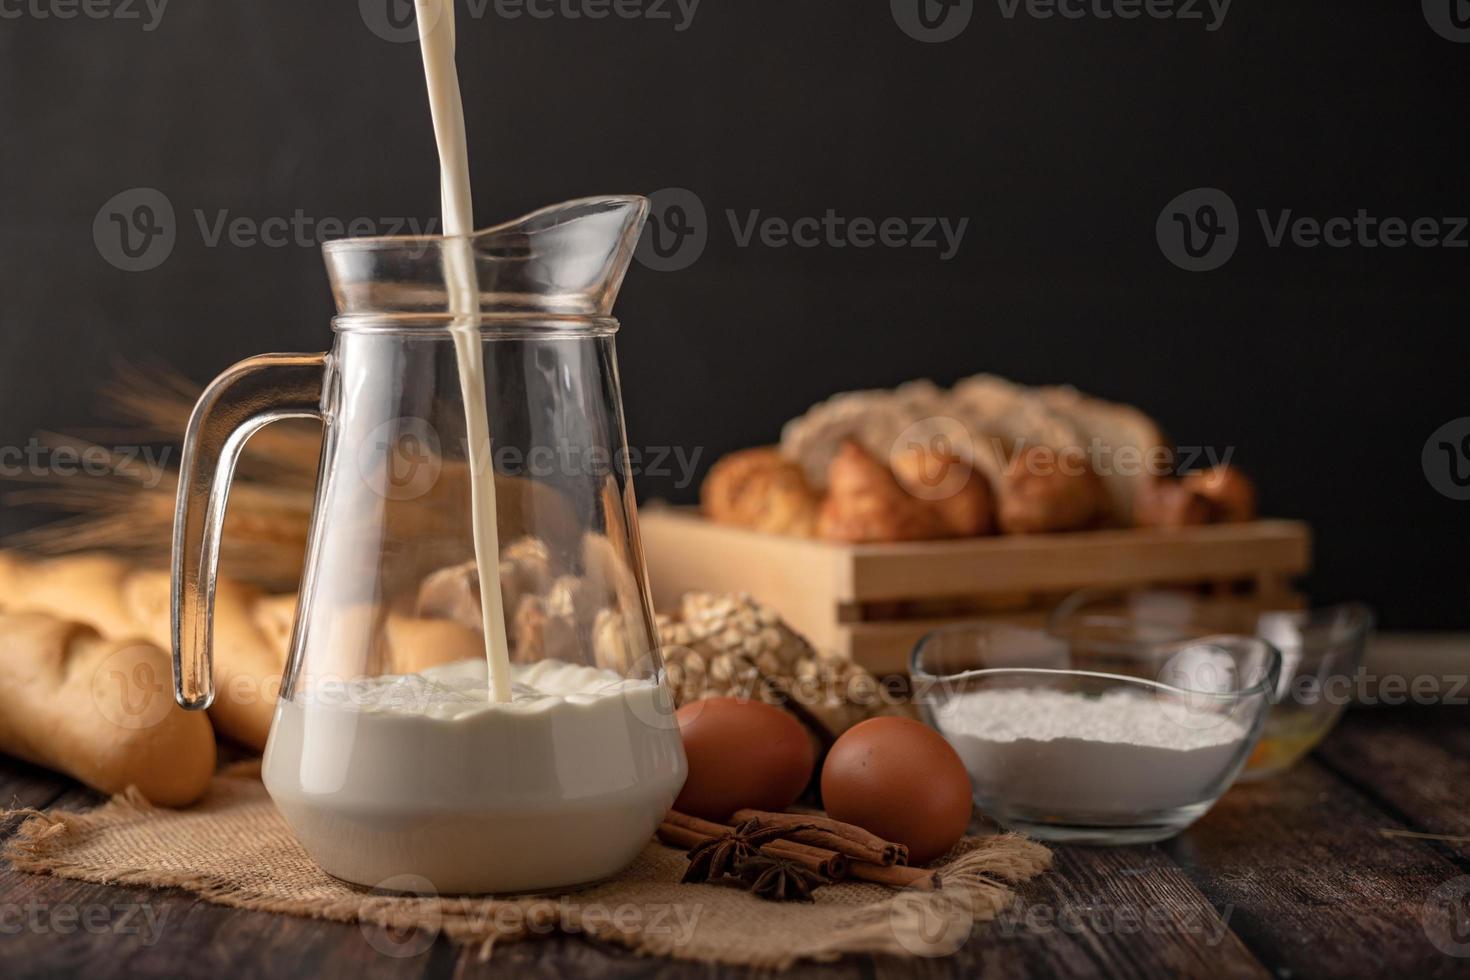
[(873, 602)]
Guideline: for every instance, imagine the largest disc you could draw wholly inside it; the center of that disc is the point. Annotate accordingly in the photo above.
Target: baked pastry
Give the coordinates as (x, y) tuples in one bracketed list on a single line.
[(873, 419), (1167, 502), (951, 487), (1046, 490), (760, 490), (866, 503), (99, 710), (1123, 445), (1229, 492)]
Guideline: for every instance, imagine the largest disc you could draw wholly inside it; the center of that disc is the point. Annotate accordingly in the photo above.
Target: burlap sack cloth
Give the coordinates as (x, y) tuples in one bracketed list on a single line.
[(235, 849)]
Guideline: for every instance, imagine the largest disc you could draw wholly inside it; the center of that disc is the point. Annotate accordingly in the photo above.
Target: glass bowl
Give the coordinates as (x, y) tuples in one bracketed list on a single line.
[(1321, 650), (1086, 746)]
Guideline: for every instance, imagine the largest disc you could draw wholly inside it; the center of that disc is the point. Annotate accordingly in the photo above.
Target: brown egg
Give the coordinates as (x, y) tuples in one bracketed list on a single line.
[(742, 754), (901, 780)]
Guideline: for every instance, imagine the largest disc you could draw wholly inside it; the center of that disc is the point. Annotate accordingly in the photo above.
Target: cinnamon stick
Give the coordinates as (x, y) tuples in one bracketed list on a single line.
[(844, 838), (682, 830), (895, 876)]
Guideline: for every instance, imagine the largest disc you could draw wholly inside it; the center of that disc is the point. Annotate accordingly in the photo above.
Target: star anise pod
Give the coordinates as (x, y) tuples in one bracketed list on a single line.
[(717, 857), (779, 880)]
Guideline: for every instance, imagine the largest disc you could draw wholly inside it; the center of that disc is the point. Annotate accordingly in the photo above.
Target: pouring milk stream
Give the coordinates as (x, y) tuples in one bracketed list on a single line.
[(436, 38)]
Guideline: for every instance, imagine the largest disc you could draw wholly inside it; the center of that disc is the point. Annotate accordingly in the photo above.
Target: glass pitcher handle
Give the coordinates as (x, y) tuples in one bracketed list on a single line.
[(241, 401)]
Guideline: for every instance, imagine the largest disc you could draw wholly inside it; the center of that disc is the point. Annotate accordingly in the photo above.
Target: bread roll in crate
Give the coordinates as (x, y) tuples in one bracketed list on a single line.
[(884, 514)]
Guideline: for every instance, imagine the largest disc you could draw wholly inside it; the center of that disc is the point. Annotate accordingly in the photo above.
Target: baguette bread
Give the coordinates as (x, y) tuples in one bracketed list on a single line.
[(99, 710), (123, 602)]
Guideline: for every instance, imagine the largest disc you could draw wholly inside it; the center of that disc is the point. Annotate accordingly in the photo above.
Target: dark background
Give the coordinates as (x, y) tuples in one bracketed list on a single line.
[(1060, 140)]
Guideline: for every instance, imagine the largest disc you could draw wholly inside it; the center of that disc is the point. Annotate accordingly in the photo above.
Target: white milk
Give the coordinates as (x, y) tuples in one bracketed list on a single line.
[(436, 38), (422, 774)]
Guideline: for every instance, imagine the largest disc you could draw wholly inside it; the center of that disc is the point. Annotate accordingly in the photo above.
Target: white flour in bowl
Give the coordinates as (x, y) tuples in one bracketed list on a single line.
[(1118, 755)]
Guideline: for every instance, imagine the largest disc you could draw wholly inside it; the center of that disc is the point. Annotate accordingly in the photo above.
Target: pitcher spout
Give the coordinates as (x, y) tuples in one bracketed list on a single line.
[(568, 259)]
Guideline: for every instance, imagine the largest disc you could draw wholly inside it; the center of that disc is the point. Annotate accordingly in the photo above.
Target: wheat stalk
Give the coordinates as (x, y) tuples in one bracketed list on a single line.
[(129, 509)]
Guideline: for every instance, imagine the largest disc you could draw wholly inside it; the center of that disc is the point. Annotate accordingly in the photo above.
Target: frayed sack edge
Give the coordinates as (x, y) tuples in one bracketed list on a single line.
[(977, 884)]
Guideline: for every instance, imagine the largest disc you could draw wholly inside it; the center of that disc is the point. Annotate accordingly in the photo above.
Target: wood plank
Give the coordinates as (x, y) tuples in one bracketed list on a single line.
[(1059, 562), (1124, 912), (1415, 762), (60, 927), (817, 585), (883, 648), (1313, 888), (559, 957)]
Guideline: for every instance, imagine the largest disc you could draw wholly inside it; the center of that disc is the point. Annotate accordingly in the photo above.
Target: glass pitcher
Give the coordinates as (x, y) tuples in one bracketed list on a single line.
[(389, 754)]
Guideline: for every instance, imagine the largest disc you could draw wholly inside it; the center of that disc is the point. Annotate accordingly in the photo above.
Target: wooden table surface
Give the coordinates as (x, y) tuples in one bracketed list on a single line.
[(1313, 874)]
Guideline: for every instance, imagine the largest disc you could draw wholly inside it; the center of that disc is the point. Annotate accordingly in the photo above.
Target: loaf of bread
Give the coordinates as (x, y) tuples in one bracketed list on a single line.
[(123, 602), (1125, 447), (719, 645), (958, 494), (100, 710), (762, 490), (1048, 490), (1051, 459), (1219, 495), (1229, 492), (866, 503)]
